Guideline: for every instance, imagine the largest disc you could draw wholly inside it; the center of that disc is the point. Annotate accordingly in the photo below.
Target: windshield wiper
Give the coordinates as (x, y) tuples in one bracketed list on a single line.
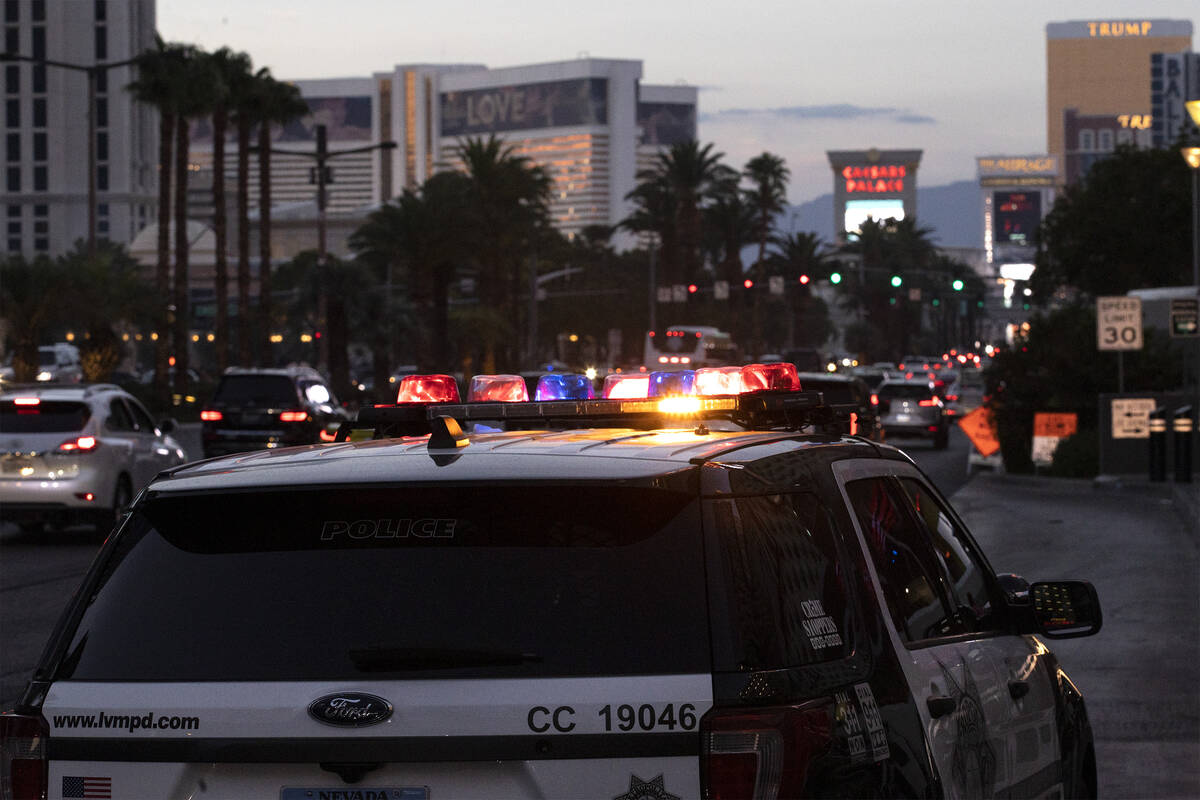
[(387, 659)]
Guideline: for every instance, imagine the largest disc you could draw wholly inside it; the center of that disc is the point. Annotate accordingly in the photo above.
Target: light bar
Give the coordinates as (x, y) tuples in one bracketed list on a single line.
[(781, 376), (564, 386), (427, 389), (498, 389)]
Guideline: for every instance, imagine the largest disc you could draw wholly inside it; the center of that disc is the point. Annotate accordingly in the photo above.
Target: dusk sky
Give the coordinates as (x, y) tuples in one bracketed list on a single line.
[(954, 78)]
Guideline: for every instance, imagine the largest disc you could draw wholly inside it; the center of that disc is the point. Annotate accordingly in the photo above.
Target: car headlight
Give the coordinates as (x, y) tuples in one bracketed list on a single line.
[(44, 375)]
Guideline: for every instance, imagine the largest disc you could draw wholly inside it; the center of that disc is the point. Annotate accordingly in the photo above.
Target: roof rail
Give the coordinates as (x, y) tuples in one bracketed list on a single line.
[(96, 388)]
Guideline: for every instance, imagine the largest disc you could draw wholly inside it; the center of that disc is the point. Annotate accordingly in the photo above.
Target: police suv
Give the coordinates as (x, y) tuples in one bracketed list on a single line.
[(676, 590)]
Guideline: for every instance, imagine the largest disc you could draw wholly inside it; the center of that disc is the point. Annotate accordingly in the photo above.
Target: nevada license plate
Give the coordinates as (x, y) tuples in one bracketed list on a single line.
[(355, 793)]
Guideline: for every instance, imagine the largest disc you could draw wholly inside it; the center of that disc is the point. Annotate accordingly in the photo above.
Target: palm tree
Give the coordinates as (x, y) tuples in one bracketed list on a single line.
[(234, 71), (245, 114), (690, 170), (201, 82), (279, 103), (804, 254), (161, 81), (511, 200), (729, 226), (767, 195), (654, 213)]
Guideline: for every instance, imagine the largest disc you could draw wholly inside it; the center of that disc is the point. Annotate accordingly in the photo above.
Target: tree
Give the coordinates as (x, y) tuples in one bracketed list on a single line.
[(767, 194), (245, 105), (1126, 225), (233, 69), (690, 172), (510, 197), (799, 254), (161, 82), (31, 293), (277, 104), (728, 227)]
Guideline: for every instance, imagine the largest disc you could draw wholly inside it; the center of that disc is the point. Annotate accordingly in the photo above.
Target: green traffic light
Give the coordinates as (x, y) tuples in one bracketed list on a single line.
[(958, 284), (897, 280), (936, 302), (835, 277)]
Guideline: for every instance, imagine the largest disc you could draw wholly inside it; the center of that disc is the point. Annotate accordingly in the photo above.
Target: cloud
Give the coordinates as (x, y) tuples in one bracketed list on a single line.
[(837, 111)]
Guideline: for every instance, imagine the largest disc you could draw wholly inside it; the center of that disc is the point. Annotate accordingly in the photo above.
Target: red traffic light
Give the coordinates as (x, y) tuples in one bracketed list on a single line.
[(693, 288), (749, 284), (804, 279)]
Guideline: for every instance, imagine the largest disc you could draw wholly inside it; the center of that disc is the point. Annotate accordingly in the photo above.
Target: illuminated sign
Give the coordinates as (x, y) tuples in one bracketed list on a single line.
[(875, 179), (1016, 216), (1119, 28), (553, 104), (1019, 165), (1022, 180), (1136, 121)]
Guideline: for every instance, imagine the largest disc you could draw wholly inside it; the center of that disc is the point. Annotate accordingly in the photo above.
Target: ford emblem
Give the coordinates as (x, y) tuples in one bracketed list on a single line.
[(350, 709)]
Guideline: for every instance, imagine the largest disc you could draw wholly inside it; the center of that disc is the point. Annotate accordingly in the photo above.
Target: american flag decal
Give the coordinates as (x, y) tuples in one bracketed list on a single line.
[(74, 786)]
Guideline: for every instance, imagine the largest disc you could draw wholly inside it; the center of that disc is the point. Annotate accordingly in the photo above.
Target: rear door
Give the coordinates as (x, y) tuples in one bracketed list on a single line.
[(475, 641), (31, 430)]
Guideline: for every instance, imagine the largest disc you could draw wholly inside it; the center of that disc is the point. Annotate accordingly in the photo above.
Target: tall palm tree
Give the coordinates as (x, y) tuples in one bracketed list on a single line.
[(278, 104), (654, 213), (767, 194), (233, 68), (728, 226), (160, 82), (201, 82), (690, 170), (511, 201)]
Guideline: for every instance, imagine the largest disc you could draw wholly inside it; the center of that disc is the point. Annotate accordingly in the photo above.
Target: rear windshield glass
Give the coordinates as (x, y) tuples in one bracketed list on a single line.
[(905, 391), (834, 392), (256, 390), (432, 582), (45, 417)]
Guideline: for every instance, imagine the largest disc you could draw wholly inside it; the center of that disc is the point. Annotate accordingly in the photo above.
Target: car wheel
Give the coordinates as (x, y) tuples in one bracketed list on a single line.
[(122, 497)]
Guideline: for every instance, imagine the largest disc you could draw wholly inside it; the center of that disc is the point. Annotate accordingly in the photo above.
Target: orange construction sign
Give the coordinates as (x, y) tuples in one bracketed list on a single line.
[(980, 428), (1059, 426)]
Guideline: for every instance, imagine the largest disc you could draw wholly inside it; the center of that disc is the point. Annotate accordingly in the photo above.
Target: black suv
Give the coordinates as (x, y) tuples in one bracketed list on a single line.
[(850, 395), (612, 598), (259, 409)]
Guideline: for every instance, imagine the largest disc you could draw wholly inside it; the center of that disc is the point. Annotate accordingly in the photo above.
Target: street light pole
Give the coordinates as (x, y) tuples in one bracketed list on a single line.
[(91, 71)]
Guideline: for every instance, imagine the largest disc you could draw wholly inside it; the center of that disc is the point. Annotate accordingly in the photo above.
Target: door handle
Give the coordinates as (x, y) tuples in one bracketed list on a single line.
[(1018, 689), (940, 706)]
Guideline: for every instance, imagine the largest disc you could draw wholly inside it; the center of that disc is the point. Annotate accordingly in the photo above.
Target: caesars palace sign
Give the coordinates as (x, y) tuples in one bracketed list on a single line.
[(875, 179)]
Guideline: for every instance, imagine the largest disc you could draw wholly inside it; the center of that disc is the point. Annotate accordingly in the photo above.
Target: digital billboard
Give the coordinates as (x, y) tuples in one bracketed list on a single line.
[(666, 123), (553, 104), (1015, 216), (858, 211)]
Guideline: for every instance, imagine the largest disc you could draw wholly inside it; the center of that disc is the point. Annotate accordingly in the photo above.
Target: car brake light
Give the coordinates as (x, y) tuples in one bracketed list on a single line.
[(761, 753), (293, 416), (874, 399), (953, 398), (80, 444), (208, 415), (427, 389), (327, 436), (24, 770), (26, 401), (933, 401)]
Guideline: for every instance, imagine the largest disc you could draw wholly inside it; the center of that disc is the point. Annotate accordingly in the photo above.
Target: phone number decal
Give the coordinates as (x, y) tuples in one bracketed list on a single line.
[(624, 718)]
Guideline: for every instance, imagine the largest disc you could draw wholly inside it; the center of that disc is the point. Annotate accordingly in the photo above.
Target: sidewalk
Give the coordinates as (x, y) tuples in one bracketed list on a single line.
[(1137, 543)]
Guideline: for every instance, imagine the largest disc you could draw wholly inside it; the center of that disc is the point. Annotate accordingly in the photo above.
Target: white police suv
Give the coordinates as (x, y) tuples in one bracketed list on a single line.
[(673, 591)]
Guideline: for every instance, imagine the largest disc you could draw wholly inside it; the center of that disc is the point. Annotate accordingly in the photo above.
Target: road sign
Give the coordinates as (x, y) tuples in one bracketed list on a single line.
[(1048, 431), (1119, 323), (775, 284), (1131, 417), (980, 428), (720, 290), (1185, 317)]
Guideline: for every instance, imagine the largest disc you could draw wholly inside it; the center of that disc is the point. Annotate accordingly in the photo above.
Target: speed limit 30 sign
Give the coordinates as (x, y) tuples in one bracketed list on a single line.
[(1119, 323)]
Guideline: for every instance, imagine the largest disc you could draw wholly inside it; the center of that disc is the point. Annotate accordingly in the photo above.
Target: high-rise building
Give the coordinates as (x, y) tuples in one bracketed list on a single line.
[(1174, 81), (589, 123), (45, 168), (1098, 68)]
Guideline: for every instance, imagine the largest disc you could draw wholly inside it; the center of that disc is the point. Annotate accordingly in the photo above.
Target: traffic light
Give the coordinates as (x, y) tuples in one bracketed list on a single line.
[(958, 284), (804, 279), (835, 278), (896, 281), (936, 302), (693, 288)]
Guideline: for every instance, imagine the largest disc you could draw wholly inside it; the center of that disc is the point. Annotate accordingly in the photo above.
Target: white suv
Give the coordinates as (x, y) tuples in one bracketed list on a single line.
[(77, 453)]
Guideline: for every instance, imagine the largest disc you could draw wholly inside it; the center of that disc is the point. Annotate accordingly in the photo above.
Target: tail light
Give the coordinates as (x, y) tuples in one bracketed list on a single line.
[(24, 771), (80, 444), (952, 398), (933, 401), (874, 399), (293, 416), (762, 754), (210, 415)]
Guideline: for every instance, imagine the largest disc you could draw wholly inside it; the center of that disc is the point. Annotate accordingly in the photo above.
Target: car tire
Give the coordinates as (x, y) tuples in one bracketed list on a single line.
[(122, 497)]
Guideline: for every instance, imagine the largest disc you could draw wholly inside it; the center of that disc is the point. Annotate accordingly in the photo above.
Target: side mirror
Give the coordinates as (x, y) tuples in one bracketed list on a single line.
[(168, 425), (1066, 609), (1016, 590)]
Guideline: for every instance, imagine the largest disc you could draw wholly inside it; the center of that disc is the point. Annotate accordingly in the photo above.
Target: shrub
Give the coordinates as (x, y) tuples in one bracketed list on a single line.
[(1078, 455)]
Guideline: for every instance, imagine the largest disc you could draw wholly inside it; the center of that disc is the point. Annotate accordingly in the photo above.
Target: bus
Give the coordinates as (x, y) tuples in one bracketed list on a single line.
[(689, 347)]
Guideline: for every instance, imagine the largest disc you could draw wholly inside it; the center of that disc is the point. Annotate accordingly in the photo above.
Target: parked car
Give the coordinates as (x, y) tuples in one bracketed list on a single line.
[(260, 409), (77, 453), (606, 600), (911, 408)]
